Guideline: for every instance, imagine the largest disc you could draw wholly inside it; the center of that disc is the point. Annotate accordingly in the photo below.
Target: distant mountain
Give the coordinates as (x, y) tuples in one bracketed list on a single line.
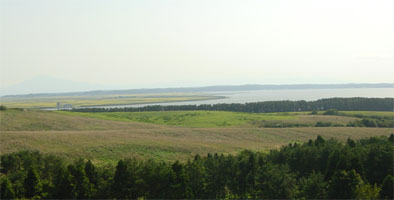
[(46, 84), (206, 89)]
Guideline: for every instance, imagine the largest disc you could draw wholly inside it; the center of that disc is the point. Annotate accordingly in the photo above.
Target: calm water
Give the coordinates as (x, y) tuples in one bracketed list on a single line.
[(275, 95)]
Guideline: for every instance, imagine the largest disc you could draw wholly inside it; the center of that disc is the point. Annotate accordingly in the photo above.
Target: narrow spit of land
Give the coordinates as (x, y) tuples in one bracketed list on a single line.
[(48, 102)]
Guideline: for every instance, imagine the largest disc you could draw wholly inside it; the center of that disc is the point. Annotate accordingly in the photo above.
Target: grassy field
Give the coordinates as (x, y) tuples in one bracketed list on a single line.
[(108, 146), (38, 120), (100, 100), (107, 137), (213, 119)]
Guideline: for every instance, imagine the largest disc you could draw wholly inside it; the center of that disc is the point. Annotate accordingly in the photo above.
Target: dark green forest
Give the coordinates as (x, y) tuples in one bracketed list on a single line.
[(318, 169), (344, 104)]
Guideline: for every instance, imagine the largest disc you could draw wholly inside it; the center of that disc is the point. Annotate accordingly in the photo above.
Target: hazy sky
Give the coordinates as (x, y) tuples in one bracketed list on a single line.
[(175, 43)]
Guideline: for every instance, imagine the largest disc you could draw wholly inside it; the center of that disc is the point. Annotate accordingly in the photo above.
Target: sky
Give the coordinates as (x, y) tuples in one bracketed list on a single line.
[(179, 43)]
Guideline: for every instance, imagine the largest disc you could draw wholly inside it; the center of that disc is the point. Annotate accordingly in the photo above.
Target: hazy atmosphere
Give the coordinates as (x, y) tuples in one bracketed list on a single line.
[(139, 44), (196, 99)]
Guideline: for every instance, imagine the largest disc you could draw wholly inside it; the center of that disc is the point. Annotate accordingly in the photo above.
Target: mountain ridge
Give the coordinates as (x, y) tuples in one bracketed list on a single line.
[(214, 88)]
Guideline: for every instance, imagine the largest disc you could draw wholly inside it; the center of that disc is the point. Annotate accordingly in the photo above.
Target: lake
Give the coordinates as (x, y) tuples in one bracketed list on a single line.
[(277, 95)]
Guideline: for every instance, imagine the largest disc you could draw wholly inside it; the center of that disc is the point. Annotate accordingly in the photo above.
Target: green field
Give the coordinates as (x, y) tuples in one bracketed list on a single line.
[(107, 137), (213, 119)]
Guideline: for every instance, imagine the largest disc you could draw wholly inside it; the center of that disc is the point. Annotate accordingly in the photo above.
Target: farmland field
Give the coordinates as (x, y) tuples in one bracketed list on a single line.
[(107, 137)]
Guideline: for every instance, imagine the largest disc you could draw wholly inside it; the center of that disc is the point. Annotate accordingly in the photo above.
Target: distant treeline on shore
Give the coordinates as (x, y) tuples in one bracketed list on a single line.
[(344, 104)]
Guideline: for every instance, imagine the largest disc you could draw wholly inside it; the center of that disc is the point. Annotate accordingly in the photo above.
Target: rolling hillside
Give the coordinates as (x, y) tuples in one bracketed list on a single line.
[(106, 139)]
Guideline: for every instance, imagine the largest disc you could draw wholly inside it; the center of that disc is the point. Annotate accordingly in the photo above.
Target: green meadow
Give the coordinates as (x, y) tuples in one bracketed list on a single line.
[(177, 135), (212, 119)]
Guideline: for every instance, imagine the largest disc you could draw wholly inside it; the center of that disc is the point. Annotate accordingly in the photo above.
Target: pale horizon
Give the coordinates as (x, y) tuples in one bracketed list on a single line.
[(150, 44), (46, 84)]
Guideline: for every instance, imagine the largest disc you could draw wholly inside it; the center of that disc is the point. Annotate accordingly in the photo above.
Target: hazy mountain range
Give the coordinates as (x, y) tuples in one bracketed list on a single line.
[(46, 86)]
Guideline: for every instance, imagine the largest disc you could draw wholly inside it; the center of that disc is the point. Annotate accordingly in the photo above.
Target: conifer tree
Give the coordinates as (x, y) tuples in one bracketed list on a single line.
[(387, 191), (121, 181), (344, 185), (7, 192), (64, 187), (32, 184)]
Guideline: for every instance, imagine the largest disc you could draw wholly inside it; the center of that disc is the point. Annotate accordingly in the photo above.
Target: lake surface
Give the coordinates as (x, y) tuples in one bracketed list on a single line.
[(276, 95)]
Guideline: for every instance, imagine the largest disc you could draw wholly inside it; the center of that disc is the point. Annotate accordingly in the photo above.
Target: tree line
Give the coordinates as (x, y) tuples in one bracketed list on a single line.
[(318, 169), (344, 104), (365, 121)]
